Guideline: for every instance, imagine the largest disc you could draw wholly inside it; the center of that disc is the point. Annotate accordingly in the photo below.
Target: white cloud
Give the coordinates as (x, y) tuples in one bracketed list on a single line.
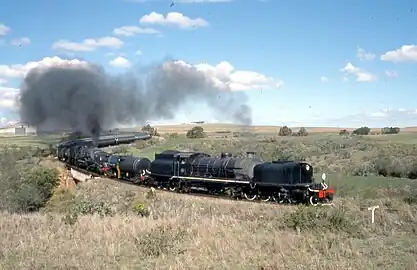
[(407, 53), (88, 44), (345, 79), (138, 52), (21, 41), (361, 74), (4, 121), (3, 81), (391, 74), (131, 30), (364, 56), (4, 29), (120, 62), (8, 97), (174, 19), (324, 79), (225, 76), (19, 70)]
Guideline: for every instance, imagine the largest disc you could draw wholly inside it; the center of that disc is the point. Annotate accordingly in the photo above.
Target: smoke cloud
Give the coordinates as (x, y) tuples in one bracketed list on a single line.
[(84, 98)]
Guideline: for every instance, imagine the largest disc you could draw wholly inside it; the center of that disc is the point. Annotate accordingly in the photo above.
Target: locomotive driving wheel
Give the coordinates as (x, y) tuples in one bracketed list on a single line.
[(251, 193), (265, 198), (172, 186)]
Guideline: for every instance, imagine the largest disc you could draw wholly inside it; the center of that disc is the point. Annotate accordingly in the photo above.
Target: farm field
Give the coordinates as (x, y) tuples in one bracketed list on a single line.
[(132, 228)]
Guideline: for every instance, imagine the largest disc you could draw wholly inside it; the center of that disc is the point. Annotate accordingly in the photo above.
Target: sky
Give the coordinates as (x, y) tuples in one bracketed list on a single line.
[(300, 63)]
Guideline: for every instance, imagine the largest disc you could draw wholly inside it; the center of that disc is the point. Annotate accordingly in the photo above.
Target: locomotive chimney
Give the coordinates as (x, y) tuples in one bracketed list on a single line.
[(250, 154)]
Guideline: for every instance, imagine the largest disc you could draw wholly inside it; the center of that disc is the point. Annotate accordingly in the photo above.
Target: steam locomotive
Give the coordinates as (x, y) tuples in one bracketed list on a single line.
[(239, 177)]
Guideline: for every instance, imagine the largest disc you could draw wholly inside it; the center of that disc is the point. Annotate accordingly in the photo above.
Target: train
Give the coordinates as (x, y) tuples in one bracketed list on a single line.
[(246, 177)]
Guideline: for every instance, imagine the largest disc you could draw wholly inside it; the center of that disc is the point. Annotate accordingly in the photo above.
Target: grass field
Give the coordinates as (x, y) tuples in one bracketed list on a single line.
[(140, 230)]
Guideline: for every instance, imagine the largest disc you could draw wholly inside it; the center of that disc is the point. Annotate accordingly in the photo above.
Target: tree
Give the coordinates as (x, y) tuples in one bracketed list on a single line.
[(344, 132), (196, 133), (149, 129), (301, 132), (285, 131), (361, 131), (390, 130)]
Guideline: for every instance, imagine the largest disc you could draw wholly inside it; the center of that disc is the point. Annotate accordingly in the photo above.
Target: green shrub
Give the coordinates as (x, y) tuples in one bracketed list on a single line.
[(307, 218), (285, 131), (87, 207), (196, 133), (361, 131)]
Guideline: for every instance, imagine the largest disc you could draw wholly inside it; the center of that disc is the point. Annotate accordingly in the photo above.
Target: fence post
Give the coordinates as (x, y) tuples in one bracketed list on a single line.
[(372, 209)]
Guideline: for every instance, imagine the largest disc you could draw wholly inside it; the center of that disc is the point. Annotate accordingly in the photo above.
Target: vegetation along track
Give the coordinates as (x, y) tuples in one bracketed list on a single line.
[(196, 193)]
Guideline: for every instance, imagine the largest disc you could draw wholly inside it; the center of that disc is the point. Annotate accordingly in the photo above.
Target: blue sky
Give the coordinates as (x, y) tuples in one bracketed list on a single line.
[(326, 63)]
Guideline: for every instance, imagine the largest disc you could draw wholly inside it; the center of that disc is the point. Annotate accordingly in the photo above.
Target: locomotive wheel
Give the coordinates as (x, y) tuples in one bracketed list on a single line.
[(265, 198), (250, 197), (313, 200), (172, 186), (279, 198)]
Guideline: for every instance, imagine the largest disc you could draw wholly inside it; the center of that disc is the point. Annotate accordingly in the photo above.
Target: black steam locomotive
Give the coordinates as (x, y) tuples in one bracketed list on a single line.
[(248, 177)]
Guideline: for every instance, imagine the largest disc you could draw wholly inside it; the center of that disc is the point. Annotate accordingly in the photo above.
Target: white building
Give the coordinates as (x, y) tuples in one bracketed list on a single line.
[(18, 129)]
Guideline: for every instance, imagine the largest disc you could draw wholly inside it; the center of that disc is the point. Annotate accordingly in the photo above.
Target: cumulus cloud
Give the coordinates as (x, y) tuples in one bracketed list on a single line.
[(4, 30), (173, 19), (8, 97), (120, 62), (224, 75), (324, 79), (20, 70), (23, 41), (407, 53), (89, 44), (364, 55), (361, 74), (131, 30), (4, 121)]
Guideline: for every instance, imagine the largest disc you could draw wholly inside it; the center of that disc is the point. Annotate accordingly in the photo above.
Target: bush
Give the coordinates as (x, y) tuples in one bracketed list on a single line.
[(307, 218), (196, 133), (285, 131), (361, 131), (25, 186), (87, 207), (344, 132), (390, 130), (301, 132), (149, 129)]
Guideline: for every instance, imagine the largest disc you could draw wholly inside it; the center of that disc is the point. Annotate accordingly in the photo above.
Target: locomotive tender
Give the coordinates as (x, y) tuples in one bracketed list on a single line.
[(248, 177)]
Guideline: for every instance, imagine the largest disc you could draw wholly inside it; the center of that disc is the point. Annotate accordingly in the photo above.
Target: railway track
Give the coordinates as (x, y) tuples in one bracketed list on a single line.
[(87, 176)]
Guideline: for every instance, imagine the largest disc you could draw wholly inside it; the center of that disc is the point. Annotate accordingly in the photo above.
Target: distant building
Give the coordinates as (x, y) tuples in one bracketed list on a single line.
[(19, 129)]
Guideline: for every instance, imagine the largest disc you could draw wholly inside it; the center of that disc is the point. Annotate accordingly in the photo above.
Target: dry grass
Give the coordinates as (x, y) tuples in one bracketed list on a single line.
[(184, 232)]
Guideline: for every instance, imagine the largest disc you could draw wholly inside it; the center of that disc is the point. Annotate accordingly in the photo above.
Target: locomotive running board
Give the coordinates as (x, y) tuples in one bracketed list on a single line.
[(210, 179)]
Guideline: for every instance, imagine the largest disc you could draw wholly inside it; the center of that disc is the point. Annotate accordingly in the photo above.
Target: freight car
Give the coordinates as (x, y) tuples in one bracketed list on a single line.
[(249, 177)]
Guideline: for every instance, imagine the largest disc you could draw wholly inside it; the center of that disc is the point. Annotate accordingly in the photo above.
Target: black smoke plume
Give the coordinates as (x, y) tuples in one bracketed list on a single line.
[(84, 98)]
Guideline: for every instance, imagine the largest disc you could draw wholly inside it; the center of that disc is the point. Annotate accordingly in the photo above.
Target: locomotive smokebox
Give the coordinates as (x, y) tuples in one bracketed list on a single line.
[(250, 154)]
